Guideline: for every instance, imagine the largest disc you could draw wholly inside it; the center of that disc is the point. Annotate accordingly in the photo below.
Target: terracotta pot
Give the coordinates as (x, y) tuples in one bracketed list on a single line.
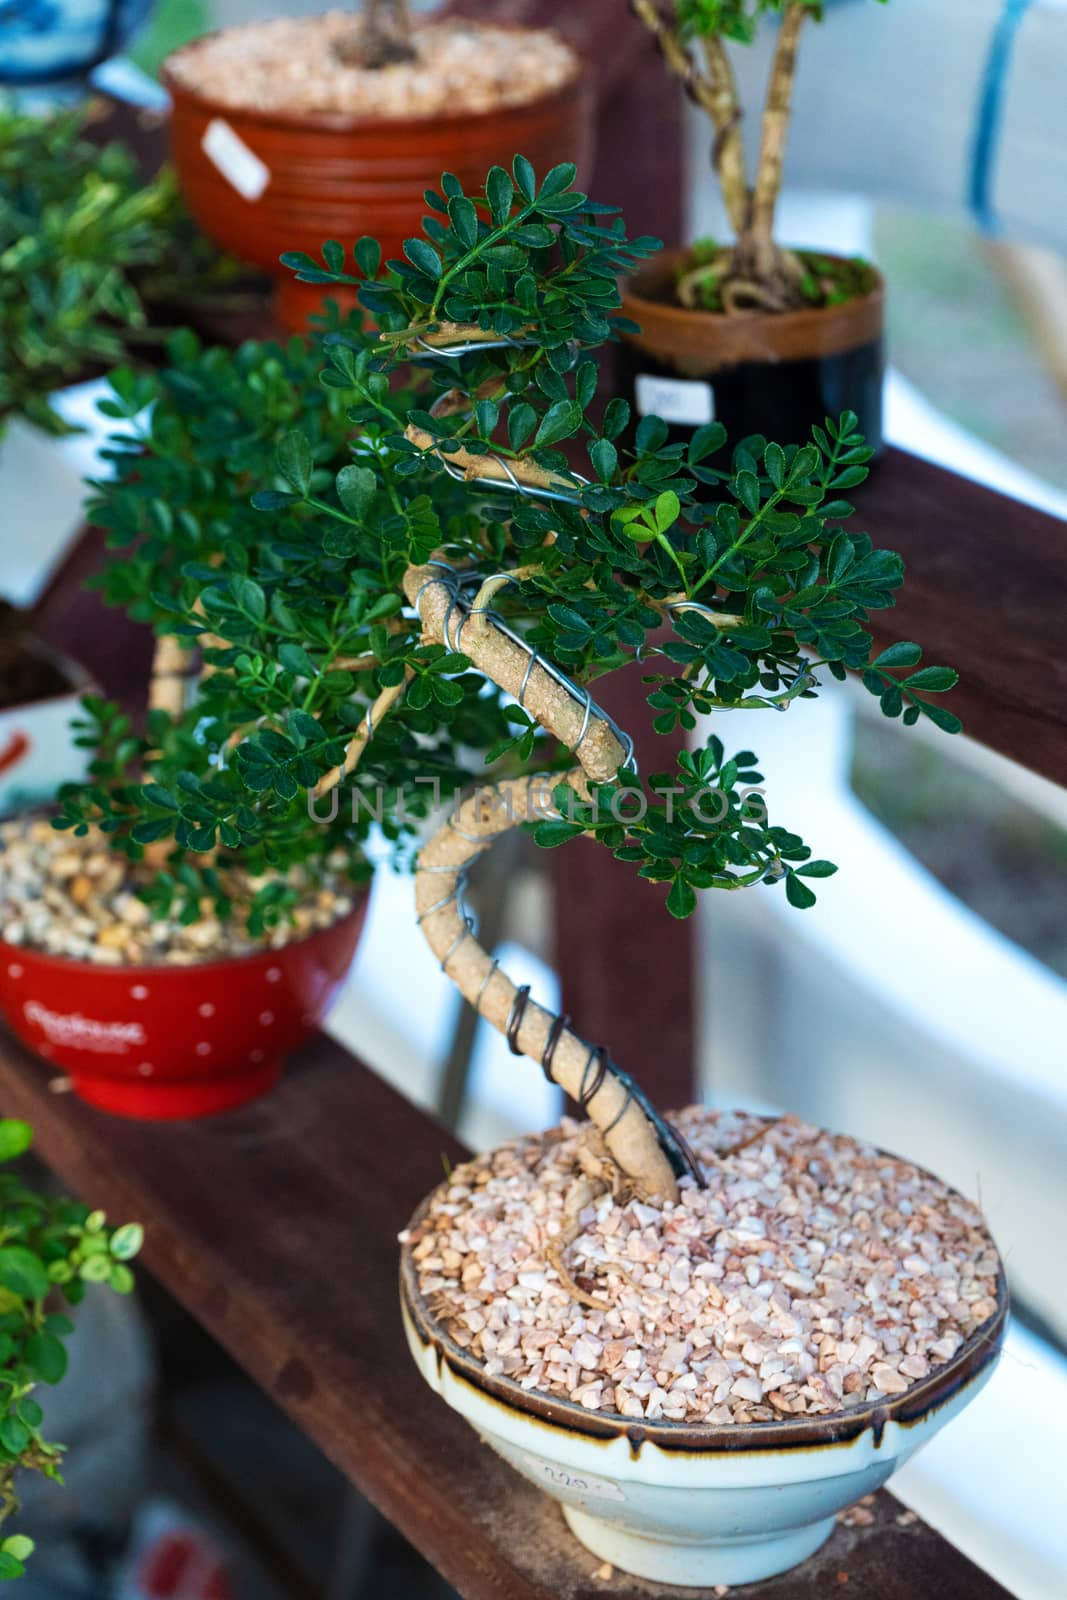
[(159, 1042), (769, 373), (695, 1504), (341, 176)]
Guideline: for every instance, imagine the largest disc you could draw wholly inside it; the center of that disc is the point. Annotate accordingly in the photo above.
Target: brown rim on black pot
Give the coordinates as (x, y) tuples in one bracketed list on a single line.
[(774, 373)]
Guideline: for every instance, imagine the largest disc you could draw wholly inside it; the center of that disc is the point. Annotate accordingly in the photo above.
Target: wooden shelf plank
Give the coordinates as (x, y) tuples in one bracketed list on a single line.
[(276, 1227), (986, 593)]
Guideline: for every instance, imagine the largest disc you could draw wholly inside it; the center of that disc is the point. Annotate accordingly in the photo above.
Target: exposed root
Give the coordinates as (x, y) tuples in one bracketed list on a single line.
[(581, 1194), (741, 296), (554, 1257), (688, 285)]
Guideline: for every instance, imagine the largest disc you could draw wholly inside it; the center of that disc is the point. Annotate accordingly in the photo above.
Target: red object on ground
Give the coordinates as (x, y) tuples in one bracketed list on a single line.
[(16, 747), (180, 1567), (165, 1042)]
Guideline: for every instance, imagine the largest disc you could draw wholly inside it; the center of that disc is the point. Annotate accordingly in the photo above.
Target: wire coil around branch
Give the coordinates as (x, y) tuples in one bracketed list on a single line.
[(453, 352), (510, 482), (638, 1137), (683, 1162), (590, 709)]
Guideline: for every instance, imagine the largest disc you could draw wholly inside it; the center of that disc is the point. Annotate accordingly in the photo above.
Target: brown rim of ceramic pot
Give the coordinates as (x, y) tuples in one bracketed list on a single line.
[(343, 121), (697, 343), (838, 1427)]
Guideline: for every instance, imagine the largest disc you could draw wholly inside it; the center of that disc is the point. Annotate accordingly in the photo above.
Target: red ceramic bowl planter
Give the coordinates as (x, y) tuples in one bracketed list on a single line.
[(166, 1042), (297, 179)]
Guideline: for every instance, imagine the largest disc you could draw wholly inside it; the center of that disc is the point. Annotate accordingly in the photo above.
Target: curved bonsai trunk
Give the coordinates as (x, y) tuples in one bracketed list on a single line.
[(728, 152), (757, 258), (612, 1104), (382, 37), (716, 93), (757, 273), (171, 667)]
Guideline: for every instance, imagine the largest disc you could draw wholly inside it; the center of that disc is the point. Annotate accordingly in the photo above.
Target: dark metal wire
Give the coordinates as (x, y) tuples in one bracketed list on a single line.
[(515, 1016), (560, 1024), (588, 1091), (452, 352)]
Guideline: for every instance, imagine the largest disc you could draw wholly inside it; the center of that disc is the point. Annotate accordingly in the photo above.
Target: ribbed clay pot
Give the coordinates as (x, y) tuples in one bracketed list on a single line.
[(335, 176), (774, 373)]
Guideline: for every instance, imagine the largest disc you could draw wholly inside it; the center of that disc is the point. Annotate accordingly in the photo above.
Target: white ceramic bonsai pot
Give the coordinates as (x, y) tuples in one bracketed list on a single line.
[(689, 1505)]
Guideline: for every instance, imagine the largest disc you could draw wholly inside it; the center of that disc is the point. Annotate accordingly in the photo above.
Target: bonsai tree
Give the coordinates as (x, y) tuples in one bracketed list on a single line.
[(693, 37), (50, 1249), (495, 544)]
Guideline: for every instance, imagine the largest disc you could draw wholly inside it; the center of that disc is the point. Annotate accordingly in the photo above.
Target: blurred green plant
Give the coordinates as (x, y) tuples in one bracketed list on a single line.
[(50, 1250), (87, 249)]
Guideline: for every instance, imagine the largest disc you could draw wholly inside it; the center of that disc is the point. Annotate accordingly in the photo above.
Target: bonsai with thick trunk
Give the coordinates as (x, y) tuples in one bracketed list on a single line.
[(755, 272), (493, 547)]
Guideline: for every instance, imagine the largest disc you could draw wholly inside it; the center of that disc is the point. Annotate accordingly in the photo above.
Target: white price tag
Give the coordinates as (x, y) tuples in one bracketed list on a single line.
[(686, 400), (239, 165), (577, 1483)]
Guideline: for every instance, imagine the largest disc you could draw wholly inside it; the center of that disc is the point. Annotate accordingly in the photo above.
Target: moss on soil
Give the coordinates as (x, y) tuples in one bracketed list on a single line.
[(827, 281)]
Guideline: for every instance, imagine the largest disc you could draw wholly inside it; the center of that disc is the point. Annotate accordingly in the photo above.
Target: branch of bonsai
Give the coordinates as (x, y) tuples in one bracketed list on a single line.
[(439, 334), (507, 663), (356, 663), (716, 94), (475, 466), (628, 1132), (365, 732), (728, 152), (767, 259)]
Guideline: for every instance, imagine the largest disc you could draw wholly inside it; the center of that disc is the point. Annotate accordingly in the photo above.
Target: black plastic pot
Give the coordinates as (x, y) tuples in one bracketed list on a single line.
[(774, 373)]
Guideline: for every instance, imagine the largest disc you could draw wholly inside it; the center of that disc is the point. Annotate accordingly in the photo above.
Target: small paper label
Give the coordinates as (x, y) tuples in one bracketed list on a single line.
[(239, 165), (686, 400), (577, 1483)]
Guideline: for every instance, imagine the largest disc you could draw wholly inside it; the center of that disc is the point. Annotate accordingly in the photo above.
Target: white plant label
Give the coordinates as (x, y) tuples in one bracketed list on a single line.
[(686, 400), (240, 166), (582, 1483)]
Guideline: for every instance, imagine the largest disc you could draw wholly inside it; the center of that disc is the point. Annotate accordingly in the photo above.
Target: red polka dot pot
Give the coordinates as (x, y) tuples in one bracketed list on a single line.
[(168, 1042)]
